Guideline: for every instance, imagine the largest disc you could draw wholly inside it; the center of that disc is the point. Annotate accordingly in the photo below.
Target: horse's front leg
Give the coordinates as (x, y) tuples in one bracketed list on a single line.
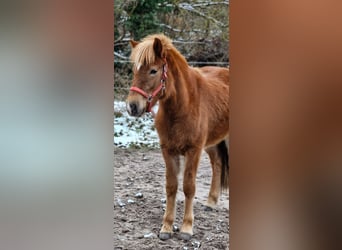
[(192, 158), (172, 170)]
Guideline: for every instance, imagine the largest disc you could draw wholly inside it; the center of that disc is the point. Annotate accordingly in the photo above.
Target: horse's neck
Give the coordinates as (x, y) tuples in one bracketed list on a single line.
[(179, 87)]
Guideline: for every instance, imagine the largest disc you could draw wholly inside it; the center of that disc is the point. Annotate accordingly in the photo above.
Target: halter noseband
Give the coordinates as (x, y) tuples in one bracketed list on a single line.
[(161, 87)]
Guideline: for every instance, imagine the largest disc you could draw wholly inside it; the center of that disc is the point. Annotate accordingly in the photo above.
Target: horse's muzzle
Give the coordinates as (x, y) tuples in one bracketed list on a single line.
[(134, 109)]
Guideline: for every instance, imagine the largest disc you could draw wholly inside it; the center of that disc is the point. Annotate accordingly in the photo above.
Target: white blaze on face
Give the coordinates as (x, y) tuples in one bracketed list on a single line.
[(138, 66)]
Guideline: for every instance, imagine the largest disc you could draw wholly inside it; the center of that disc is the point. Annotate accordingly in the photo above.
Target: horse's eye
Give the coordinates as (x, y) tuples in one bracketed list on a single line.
[(153, 71)]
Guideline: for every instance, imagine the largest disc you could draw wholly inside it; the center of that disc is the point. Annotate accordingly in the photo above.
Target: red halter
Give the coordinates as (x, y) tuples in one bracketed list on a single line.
[(150, 97)]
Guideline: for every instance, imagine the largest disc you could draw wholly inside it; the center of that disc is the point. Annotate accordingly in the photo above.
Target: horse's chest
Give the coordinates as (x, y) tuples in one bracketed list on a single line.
[(177, 136), (175, 131)]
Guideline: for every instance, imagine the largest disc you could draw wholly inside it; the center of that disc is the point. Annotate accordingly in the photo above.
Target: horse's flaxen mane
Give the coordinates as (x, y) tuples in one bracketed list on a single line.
[(143, 53)]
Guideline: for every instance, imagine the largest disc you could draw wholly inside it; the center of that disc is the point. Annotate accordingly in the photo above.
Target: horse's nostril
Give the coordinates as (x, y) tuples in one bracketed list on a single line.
[(134, 109)]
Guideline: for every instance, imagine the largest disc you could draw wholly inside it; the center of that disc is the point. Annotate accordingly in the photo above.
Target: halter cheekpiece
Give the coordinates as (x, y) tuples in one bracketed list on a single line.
[(161, 87)]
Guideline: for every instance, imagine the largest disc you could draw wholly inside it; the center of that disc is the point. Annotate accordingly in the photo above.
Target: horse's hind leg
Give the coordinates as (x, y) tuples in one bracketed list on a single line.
[(172, 170), (192, 158), (216, 163)]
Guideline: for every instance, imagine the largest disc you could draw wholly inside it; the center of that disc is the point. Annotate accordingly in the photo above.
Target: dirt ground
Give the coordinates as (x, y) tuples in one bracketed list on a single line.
[(139, 202)]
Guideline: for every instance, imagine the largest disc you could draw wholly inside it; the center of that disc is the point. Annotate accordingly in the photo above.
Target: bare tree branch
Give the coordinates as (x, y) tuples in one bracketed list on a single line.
[(204, 4), (120, 56), (122, 35), (169, 27), (189, 7)]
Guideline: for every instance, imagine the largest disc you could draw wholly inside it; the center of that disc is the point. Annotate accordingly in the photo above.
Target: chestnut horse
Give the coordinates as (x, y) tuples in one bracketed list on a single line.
[(193, 115)]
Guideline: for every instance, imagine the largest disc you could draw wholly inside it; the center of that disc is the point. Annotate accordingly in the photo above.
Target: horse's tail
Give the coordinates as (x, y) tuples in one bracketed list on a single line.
[(224, 155)]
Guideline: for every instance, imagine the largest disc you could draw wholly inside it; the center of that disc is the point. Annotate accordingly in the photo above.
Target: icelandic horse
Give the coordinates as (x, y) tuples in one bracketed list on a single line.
[(193, 115)]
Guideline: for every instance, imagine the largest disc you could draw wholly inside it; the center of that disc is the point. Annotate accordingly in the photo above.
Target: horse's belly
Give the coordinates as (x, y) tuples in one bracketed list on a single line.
[(217, 133), (214, 140)]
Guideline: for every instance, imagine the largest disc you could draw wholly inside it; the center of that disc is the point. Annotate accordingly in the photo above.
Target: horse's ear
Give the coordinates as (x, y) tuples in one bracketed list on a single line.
[(158, 47), (133, 43)]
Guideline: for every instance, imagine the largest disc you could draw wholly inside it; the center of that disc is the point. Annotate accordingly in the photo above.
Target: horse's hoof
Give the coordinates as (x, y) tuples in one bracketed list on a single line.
[(164, 236), (185, 236)]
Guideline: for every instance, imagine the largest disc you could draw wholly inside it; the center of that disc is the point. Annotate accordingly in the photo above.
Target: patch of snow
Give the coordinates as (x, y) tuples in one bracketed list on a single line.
[(134, 132)]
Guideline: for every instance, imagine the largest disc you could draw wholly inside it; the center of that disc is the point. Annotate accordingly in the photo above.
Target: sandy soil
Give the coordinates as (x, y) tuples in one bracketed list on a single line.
[(139, 201)]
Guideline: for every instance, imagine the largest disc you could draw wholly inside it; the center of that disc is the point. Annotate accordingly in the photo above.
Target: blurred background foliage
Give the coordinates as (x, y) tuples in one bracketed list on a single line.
[(199, 29)]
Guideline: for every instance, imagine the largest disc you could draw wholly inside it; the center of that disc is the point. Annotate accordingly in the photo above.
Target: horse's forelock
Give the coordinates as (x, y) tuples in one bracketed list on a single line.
[(143, 54)]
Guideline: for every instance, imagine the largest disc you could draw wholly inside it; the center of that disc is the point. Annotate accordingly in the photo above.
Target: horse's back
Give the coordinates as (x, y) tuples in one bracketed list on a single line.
[(212, 73), (214, 104), (215, 82)]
